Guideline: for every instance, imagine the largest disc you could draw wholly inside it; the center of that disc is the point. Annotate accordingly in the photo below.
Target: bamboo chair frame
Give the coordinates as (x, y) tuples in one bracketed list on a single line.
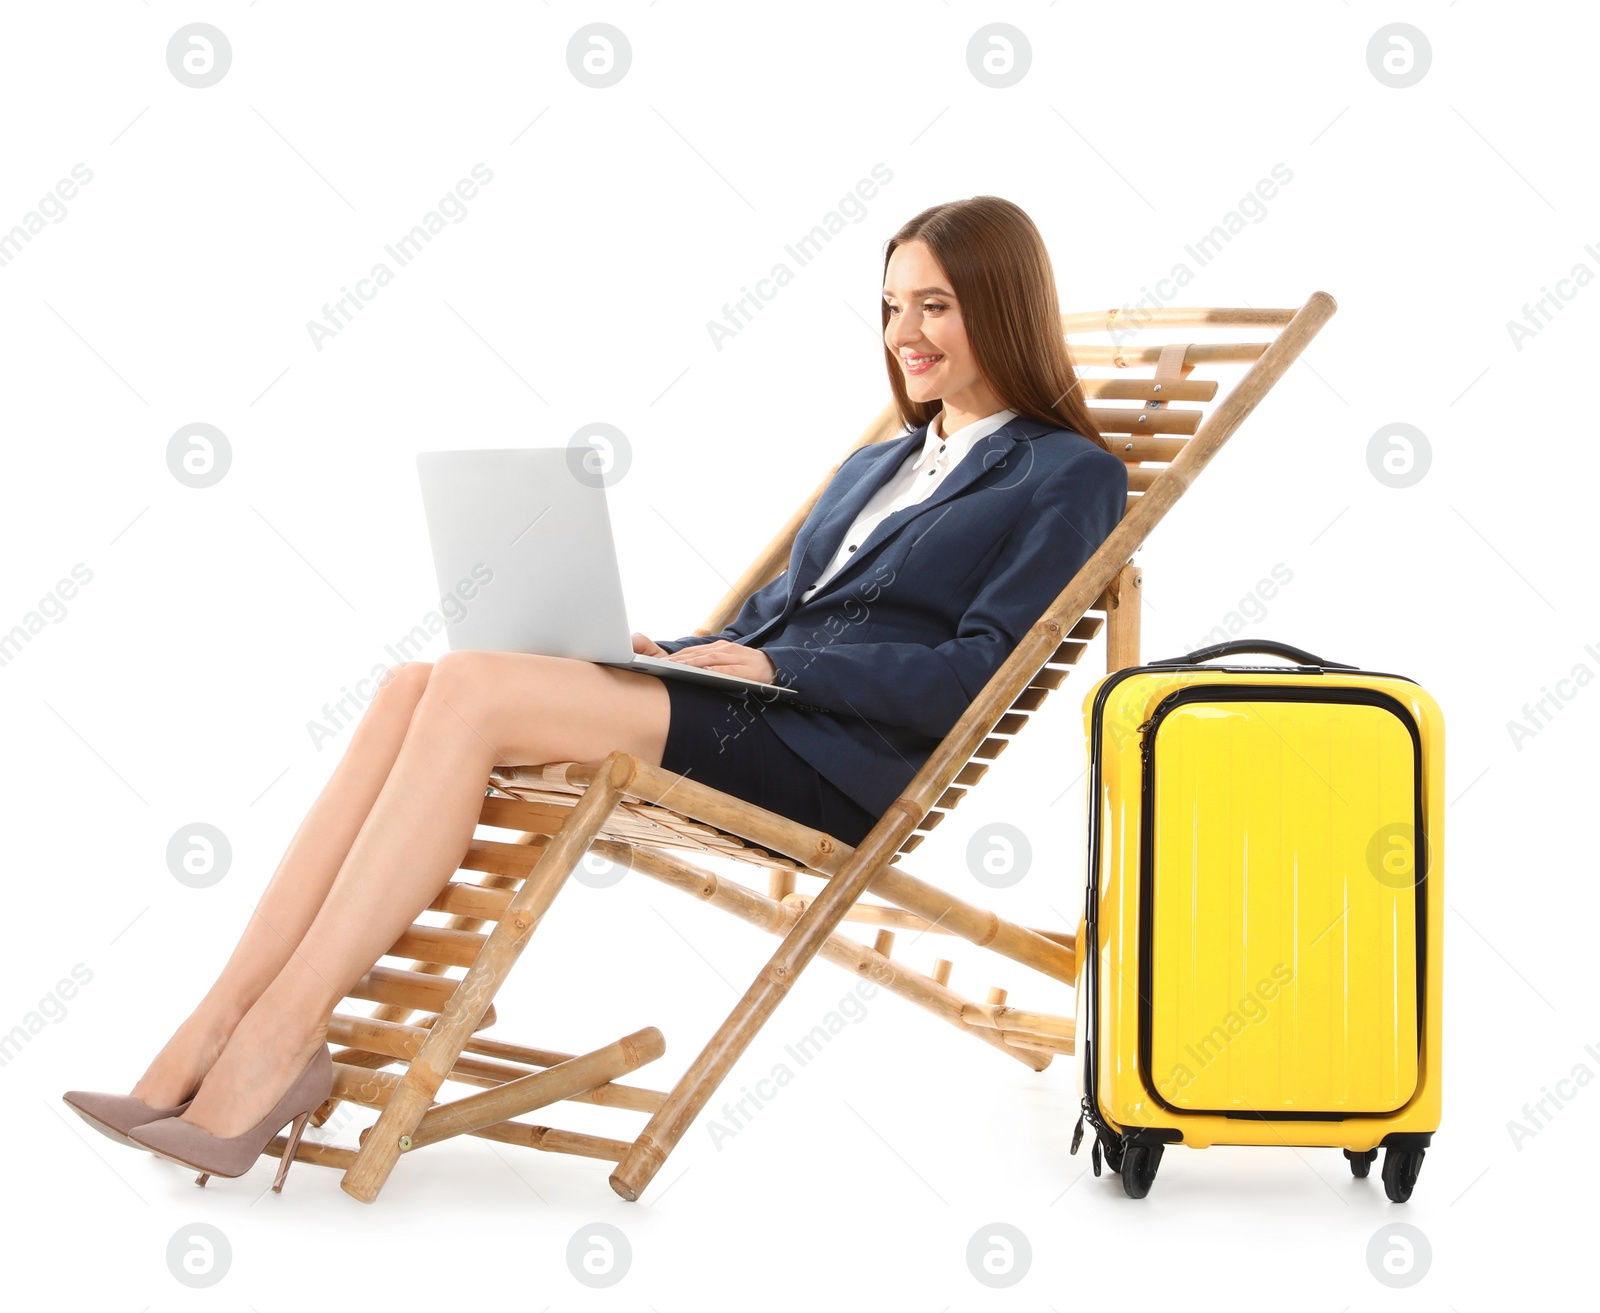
[(647, 818)]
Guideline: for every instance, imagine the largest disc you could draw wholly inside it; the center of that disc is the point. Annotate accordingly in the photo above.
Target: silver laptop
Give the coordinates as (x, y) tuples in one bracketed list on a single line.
[(522, 540)]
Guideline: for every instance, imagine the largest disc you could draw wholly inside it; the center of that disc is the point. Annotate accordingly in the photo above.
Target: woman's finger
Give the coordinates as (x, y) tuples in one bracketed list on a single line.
[(701, 653)]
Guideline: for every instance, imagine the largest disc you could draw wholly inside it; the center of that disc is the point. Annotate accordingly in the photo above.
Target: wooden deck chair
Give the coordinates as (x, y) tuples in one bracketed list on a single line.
[(648, 819)]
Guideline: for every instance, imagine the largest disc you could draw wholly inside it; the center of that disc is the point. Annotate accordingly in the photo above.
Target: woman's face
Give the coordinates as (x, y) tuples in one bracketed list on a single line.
[(925, 330)]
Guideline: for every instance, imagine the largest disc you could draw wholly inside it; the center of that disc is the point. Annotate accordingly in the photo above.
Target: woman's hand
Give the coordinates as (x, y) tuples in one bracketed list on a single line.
[(728, 659), (648, 646)]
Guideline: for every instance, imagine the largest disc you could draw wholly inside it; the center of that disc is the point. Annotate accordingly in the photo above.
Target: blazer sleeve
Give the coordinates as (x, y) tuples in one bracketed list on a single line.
[(927, 688)]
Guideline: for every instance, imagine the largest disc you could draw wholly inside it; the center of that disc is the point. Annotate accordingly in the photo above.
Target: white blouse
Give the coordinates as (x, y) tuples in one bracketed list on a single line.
[(917, 479)]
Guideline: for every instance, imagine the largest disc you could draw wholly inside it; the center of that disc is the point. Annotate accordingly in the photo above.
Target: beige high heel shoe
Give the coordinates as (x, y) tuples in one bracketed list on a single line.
[(114, 1115), (214, 1155)]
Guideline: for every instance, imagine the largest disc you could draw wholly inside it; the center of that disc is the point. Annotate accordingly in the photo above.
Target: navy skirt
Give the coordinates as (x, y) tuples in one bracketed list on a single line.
[(725, 740)]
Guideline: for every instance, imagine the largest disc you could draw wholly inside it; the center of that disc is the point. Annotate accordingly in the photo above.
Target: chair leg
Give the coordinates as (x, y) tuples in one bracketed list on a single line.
[(1122, 618), (694, 1089), (391, 1135)]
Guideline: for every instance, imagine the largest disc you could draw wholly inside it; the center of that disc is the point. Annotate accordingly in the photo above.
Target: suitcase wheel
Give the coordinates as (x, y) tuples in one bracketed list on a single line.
[(1400, 1168), (1138, 1169), (1361, 1163)]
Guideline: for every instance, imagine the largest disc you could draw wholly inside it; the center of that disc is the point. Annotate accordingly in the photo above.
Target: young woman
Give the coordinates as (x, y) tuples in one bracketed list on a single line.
[(922, 564)]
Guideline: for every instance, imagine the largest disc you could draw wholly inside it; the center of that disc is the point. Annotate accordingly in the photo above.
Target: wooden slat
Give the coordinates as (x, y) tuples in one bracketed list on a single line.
[(427, 943), (553, 807), (552, 1140), (358, 1085), (518, 814), (495, 858), (1138, 447), (471, 900), (1132, 319), (410, 989), (1128, 419), (1200, 353), (1147, 389), (1141, 478)]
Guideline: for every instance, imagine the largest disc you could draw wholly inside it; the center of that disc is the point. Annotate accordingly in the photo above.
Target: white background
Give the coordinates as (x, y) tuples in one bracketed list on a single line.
[(179, 683)]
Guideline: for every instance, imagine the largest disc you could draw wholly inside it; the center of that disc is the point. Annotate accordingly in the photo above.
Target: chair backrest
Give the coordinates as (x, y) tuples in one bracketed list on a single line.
[(1152, 400)]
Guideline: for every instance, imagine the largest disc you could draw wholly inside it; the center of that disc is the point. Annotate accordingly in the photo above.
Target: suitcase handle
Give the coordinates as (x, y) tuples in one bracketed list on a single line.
[(1262, 645)]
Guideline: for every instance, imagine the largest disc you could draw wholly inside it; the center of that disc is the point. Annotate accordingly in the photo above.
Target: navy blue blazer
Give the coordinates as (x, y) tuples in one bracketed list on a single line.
[(887, 656)]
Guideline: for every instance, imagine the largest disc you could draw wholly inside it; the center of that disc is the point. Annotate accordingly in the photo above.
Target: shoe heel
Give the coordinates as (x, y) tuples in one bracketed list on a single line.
[(289, 1147), (233, 1155)]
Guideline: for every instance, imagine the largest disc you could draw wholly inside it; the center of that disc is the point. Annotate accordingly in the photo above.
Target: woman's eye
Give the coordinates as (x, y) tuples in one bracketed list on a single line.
[(932, 305)]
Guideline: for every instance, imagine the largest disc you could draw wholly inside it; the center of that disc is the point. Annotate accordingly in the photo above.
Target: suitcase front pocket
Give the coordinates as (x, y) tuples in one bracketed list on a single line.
[(1280, 902)]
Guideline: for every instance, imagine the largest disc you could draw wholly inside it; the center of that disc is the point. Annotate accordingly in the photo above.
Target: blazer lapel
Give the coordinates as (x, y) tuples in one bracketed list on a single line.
[(1004, 449), (815, 549)]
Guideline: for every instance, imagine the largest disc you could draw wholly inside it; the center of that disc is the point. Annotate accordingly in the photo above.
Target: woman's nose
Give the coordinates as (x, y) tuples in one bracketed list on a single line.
[(901, 333)]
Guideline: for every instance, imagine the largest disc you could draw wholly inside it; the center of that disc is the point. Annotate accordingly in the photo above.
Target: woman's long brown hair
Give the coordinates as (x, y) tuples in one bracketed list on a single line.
[(1000, 274)]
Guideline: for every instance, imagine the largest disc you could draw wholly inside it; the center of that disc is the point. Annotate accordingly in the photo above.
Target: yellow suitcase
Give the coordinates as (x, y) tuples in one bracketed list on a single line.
[(1260, 950)]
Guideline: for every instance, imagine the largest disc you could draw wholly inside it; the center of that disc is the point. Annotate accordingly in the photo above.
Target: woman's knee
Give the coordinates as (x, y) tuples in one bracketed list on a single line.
[(405, 683), (469, 683), (461, 673), (497, 695)]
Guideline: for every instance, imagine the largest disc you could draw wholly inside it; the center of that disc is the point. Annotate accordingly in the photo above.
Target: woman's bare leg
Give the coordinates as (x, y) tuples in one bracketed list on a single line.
[(295, 893), (479, 710)]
